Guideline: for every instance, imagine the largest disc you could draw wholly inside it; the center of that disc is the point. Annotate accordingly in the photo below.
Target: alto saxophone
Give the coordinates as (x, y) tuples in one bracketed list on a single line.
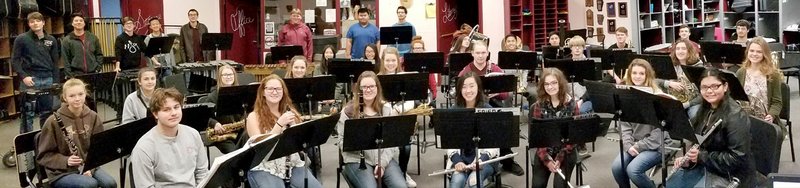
[(228, 134)]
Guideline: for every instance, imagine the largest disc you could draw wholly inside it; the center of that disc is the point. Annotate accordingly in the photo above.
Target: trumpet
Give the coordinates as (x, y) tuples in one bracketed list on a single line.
[(228, 134)]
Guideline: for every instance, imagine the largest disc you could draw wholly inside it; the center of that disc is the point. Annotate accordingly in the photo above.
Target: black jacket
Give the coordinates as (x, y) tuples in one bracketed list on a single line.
[(129, 50), (81, 57), (36, 57), (726, 152)]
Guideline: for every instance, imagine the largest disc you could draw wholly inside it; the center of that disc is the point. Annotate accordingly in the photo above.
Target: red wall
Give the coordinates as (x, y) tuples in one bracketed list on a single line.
[(141, 11), (240, 17)]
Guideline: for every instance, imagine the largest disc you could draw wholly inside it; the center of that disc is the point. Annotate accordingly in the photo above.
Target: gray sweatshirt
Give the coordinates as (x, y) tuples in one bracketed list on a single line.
[(161, 161), (134, 108), (641, 136)]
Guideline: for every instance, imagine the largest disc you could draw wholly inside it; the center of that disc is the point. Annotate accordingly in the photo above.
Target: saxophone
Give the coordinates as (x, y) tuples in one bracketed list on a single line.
[(421, 110), (228, 134)]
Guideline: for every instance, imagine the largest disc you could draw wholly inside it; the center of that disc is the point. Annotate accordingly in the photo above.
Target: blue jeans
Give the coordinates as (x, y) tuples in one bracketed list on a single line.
[(586, 107), (694, 177), (635, 169), (40, 104), (260, 178), (692, 111), (459, 179), (357, 178), (99, 179)]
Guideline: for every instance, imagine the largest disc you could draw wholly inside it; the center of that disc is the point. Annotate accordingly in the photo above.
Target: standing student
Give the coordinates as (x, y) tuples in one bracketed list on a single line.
[(368, 102), (165, 61), (272, 114), (35, 57), (640, 141), (761, 80), (190, 38), (128, 47), (297, 33), (469, 94), (81, 51), (73, 123), (170, 154), (360, 35), (136, 105), (553, 101), (402, 13)]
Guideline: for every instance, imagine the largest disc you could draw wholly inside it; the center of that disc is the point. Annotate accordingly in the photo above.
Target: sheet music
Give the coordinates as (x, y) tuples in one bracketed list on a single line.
[(221, 159)]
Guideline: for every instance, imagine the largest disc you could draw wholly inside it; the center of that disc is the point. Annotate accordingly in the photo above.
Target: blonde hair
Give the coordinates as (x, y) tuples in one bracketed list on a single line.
[(219, 75), (296, 11), (577, 41), (390, 51), (650, 74), (766, 66), (72, 82), (289, 73)]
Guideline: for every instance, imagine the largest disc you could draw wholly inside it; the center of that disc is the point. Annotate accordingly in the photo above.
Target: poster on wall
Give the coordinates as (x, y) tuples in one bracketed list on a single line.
[(589, 17), (623, 9), (612, 26), (611, 10), (599, 5), (269, 28)]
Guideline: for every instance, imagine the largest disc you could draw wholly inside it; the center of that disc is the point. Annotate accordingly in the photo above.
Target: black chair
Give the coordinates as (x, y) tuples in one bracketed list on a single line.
[(766, 145), (246, 78), (178, 81), (784, 116), (791, 66), (27, 166)]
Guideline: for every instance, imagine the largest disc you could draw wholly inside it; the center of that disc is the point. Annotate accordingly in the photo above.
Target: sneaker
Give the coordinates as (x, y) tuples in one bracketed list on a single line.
[(582, 150), (410, 182), (515, 169)]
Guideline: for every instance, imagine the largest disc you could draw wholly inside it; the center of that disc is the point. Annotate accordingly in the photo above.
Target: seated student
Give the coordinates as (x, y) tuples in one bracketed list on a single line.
[(137, 103), (298, 66), (328, 53), (553, 101), (761, 80), (170, 154), (469, 94), (511, 43), (272, 114), (463, 45), (554, 40), (226, 76), (577, 45), (726, 151), (369, 104), (391, 65), (640, 141), (683, 54), (73, 123), (418, 46), (481, 66), (622, 42), (739, 37)]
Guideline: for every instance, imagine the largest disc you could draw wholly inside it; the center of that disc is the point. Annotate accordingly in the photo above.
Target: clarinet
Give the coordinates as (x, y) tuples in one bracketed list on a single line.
[(363, 164), (288, 176), (73, 148)]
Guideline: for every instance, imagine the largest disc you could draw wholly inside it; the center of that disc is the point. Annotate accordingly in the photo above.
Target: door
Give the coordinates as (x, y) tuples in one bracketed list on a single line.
[(240, 17), (450, 14)]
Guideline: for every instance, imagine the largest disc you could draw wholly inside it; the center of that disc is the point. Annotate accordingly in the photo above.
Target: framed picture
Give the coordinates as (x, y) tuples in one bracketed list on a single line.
[(600, 35), (600, 19), (623, 9), (269, 28), (590, 31), (589, 3), (589, 17), (611, 10), (599, 5), (612, 26)]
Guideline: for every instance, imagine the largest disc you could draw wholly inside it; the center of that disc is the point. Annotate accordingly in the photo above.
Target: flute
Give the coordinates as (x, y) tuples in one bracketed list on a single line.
[(450, 171), (684, 159)]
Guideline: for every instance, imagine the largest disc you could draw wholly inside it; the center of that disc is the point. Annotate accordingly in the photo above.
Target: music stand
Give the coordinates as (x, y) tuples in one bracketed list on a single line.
[(735, 88), (198, 115), (216, 41), (285, 53), (457, 62), (575, 70), (234, 100), (662, 65), (609, 58), (573, 33), (396, 35), (378, 133), (348, 70), (300, 137), (404, 87), (467, 128), (550, 52), (719, 52), (425, 62), (98, 83), (159, 45), (115, 143), (517, 60), (560, 131), (499, 83), (311, 89), (238, 163)]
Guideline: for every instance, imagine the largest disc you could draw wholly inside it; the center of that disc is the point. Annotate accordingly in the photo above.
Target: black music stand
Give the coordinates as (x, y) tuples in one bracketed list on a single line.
[(517, 60), (404, 87), (236, 99), (378, 133), (115, 143), (396, 35), (311, 89), (735, 88), (575, 70), (609, 58), (348, 70), (285, 53), (197, 116), (466, 128), (227, 168), (216, 41), (159, 45), (560, 131), (722, 52), (573, 33), (457, 62), (551, 52), (425, 62), (662, 65), (499, 83), (300, 137), (98, 83)]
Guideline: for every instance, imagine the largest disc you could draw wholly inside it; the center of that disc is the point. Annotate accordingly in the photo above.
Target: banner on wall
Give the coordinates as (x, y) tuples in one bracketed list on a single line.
[(141, 12)]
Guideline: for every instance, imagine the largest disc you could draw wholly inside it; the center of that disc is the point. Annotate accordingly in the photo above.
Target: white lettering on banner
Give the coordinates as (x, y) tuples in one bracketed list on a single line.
[(141, 22), (238, 20), (450, 13)]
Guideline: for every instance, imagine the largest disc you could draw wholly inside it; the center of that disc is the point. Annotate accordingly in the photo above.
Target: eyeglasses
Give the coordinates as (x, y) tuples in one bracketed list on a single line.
[(369, 87), (553, 83), (713, 87), (227, 75), (274, 89)]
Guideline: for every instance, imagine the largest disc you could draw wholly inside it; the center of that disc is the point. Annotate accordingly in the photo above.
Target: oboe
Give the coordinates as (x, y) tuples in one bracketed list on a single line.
[(74, 149), (684, 159)]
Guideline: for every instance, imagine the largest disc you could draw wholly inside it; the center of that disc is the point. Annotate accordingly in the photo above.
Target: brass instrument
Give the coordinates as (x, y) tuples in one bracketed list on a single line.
[(228, 134), (688, 92), (750, 107), (421, 110)]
